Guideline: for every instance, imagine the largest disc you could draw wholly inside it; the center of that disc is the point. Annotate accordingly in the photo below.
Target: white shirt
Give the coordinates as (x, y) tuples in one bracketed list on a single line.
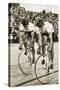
[(21, 27), (48, 27), (32, 27), (37, 30)]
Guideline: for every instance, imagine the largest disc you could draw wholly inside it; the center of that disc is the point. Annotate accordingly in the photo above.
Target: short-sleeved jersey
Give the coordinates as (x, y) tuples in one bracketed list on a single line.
[(37, 30), (48, 27), (32, 27)]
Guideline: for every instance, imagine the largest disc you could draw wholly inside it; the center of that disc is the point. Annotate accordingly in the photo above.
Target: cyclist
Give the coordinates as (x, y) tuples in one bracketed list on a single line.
[(22, 35), (31, 31), (37, 33), (37, 27), (47, 30), (36, 36)]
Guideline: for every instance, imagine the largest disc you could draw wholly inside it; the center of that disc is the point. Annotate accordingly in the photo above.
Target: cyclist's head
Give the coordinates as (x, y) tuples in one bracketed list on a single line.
[(25, 22), (40, 23)]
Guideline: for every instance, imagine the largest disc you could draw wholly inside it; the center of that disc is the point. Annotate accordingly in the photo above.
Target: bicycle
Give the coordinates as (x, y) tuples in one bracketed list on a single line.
[(41, 65), (25, 58), (44, 62), (42, 68)]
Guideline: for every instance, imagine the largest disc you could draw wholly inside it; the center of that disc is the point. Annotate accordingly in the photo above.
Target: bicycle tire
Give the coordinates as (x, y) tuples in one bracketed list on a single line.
[(19, 63), (36, 74)]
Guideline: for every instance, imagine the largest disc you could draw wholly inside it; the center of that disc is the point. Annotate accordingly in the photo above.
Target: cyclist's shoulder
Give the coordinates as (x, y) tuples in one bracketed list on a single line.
[(37, 30), (31, 26), (48, 27), (21, 27), (36, 27), (48, 24)]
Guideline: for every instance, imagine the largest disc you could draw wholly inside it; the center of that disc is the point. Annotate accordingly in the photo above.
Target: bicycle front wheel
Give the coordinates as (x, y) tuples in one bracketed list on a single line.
[(24, 62), (42, 71)]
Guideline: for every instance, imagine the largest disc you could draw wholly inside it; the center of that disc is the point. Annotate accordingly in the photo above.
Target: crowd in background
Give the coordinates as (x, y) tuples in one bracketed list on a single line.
[(16, 14)]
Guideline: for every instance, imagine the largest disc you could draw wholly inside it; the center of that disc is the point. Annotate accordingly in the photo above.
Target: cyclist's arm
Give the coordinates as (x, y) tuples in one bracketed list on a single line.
[(40, 39), (51, 37), (32, 34), (25, 31)]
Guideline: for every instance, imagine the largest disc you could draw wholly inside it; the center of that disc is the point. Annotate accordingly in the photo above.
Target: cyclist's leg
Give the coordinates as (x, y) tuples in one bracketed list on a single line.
[(43, 48), (26, 42), (39, 44), (25, 45), (33, 53), (33, 49), (20, 40), (44, 42), (51, 50)]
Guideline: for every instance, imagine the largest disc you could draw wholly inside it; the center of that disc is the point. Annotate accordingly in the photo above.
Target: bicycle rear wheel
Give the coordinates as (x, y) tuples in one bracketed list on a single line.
[(42, 71), (24, 62)]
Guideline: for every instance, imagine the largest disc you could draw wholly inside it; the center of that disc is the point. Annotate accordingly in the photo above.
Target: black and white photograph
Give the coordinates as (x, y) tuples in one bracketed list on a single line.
[(33, 36)]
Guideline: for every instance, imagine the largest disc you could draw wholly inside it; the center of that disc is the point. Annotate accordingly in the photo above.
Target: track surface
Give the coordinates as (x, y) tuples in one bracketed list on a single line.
[(18, 79)]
